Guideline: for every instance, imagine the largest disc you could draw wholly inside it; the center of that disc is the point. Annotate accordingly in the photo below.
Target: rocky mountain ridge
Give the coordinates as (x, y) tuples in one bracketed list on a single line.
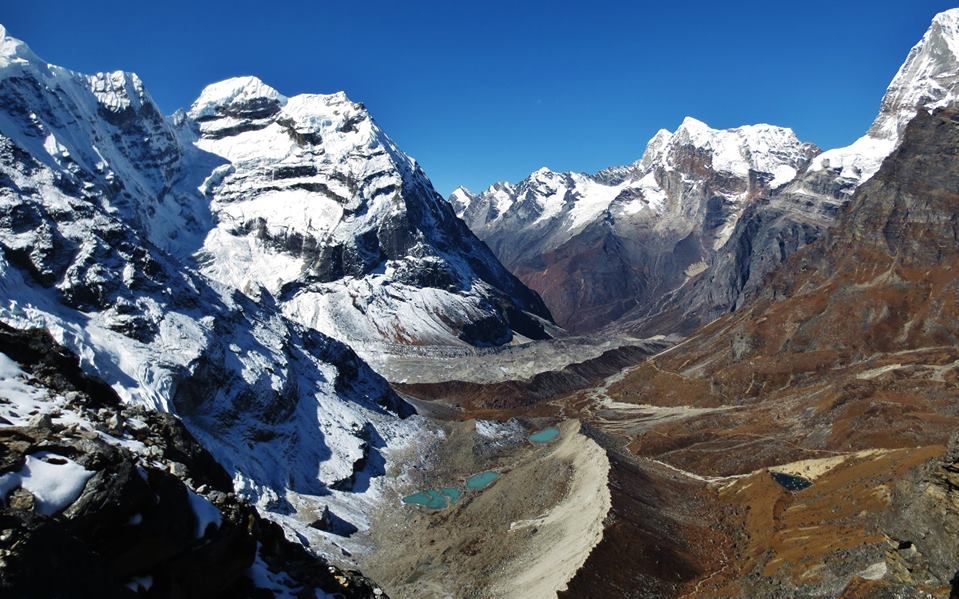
[(151, 511), (777, 225), (597, 245)]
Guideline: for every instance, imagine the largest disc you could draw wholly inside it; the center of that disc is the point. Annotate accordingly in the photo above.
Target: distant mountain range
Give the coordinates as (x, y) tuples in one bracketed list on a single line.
[(691, 230)]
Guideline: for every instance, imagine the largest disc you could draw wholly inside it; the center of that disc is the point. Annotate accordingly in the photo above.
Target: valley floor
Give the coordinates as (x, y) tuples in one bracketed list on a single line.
[(697, 503), (525, 535)]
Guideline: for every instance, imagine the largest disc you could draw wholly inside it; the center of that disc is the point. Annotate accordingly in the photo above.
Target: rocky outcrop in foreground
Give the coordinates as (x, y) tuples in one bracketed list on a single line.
[(103, 499)]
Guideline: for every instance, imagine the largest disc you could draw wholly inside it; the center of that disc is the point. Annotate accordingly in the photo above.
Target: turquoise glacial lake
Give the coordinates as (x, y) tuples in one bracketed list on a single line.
[(480, 481), (546, 435), (434, 499)]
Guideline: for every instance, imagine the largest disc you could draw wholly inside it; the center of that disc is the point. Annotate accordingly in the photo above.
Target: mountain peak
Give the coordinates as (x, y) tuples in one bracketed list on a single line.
[(693, 124), (542, 171), (236, 91), (947, 18), (655, 146), (460, 200), (14, 50), (928, 79)]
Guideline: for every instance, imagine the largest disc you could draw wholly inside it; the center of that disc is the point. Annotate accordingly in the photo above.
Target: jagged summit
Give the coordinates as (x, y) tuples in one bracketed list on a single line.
[(114, 91), (13, 49), (928, 79), (460, 198), (765, 149), (316, 205), (237, 91), (576, 238), (799, 212)]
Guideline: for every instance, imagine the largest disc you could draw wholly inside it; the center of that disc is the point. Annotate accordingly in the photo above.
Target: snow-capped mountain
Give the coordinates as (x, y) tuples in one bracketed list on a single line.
[(596, 245), (746, 199), (176, 256), (314, 203), (928, 79), (772, 228), (101, 215)]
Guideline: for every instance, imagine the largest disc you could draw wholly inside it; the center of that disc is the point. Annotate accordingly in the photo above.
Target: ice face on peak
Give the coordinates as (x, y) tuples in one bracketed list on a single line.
[(460, 199), (115, 91), (693, 126), (12, 49), (543, 171), (546, 178), (105, 135), (928, 79), (236, 94), (655, 146), (119, 91), (763, 148)]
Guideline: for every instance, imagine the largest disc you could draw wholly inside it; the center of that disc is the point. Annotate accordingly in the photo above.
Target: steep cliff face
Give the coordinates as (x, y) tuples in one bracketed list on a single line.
[(597, 245), (314, 203)]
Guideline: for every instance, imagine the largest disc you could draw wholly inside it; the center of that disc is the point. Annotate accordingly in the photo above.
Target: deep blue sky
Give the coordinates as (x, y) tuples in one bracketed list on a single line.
[(486, 91)]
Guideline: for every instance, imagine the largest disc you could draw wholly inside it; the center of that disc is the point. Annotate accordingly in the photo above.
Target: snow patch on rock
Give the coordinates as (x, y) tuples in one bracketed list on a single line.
[(55, 481)]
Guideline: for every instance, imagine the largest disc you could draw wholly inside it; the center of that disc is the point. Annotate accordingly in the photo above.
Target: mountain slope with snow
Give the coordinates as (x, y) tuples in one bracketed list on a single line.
[(100, 216), (777, 225), (692, 229), (596, 245), (928, 79), (316, 205)]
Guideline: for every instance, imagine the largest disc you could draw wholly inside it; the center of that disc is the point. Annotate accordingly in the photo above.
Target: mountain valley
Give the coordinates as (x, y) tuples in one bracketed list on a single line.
[(247, 350)]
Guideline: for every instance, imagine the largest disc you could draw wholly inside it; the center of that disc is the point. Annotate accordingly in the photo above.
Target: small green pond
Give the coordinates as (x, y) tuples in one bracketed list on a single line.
[(480, 481), (546, 435), (434, 499)]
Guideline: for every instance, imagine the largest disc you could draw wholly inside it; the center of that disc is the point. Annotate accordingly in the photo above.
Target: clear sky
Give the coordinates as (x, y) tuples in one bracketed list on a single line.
[(492, 90)]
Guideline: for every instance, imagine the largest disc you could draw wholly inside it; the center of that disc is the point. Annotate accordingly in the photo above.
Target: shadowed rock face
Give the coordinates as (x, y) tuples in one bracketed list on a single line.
[(135, 522), (851, 351)]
